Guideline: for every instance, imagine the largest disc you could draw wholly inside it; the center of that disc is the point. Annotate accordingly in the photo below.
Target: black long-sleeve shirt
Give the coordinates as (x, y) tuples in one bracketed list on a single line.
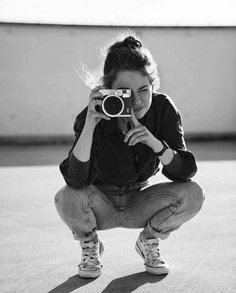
[(113, 162)]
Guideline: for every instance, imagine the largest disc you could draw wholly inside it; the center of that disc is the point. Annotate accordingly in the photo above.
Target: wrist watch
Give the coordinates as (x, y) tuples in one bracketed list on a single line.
[(165, 147)]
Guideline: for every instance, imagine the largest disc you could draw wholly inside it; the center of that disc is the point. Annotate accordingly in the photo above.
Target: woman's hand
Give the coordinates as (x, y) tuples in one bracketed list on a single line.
[(95, 99), (140, 133)]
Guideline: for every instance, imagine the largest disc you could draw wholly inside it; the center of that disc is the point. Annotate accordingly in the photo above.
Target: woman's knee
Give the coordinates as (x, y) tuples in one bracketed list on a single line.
[(195, 196), (68, 198)]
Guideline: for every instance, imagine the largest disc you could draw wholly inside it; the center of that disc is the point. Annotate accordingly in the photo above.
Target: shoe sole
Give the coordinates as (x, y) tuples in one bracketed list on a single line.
[(151, 270), (92, 274)]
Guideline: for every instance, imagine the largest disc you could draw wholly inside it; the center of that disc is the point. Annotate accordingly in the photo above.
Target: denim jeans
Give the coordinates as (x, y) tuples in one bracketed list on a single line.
[(160, 208)]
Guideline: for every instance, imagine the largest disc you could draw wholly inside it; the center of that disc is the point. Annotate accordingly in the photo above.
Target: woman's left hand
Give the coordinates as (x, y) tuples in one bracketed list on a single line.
[(140, 133)]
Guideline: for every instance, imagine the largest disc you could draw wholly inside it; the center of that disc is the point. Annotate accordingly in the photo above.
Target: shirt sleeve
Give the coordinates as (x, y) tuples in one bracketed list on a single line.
[(183, 166), (78, 174)]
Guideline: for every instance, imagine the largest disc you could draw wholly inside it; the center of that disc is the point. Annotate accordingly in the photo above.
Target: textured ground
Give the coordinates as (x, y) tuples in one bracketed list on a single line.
[(38, 253)]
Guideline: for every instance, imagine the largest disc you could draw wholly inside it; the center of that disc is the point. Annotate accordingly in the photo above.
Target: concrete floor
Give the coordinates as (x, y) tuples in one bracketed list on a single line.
[(38, 253)]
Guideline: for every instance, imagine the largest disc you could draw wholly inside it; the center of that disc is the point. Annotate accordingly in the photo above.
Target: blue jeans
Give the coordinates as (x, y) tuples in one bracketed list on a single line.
[(159, 208)]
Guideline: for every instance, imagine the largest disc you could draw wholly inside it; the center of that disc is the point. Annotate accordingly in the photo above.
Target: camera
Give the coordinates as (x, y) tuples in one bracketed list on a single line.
[(116, 102)]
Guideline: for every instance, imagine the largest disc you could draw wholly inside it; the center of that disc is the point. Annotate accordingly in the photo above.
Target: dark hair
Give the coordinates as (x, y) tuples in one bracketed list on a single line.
[(125, 53), (129, 54)]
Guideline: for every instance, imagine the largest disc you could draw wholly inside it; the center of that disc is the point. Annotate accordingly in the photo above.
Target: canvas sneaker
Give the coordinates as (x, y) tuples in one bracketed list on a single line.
[(149, 250), (90, 266)]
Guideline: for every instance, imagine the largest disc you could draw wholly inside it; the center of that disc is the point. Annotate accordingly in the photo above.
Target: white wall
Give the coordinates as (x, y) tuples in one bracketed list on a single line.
[(40, 94)]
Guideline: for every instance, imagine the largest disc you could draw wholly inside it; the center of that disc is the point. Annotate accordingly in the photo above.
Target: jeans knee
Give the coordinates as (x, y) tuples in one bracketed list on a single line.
[(68, 199), (197, 196), (62, 195), (57, 196)]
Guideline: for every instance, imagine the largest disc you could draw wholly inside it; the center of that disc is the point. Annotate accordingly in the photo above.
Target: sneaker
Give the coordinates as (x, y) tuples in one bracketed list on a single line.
[(90, 266), (149, 250)]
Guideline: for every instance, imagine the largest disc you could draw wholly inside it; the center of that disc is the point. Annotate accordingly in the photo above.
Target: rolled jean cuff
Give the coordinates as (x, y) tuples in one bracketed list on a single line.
[(86, 237), (155, 233)]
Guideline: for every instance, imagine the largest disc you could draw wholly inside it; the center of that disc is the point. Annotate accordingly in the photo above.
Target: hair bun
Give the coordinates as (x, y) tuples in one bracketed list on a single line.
[(132, 42)]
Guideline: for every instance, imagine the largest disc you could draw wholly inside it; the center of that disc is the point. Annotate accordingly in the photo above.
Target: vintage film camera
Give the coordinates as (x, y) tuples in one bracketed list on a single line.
[(116, 102)]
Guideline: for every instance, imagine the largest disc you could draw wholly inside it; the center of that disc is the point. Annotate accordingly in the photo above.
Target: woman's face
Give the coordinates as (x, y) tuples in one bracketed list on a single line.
[(140, 87)]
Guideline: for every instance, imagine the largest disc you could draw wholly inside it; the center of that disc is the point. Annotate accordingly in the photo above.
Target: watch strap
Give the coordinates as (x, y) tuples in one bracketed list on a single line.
[(165, 147)]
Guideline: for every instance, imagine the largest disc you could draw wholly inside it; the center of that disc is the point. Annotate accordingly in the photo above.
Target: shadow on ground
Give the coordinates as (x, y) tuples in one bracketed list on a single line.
[(71, 284), (124, 284), (131, 282)]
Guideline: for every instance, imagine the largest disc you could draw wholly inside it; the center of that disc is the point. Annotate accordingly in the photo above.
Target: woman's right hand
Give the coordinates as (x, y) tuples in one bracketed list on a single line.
[(95, 99)]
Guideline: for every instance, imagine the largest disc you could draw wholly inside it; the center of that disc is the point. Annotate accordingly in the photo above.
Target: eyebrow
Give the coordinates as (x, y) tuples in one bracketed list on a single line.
[(144, 86)]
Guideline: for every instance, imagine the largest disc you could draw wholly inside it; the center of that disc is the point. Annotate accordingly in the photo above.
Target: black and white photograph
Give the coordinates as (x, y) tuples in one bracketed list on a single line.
[(117, 146)]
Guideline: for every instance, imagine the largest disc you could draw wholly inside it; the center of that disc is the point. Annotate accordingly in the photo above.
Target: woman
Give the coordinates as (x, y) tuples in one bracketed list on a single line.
[(108, 167)]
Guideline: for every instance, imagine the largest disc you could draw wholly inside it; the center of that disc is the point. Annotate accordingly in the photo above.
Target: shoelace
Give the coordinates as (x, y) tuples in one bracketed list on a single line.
[(152, 252), (90, 253)]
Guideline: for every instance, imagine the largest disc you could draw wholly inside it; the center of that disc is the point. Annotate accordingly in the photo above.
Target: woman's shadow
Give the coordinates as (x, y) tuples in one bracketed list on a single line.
[(130, 283), (125, 284)]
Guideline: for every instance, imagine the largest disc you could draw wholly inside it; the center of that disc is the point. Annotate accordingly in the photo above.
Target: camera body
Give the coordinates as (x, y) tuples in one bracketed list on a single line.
[(116, 102)]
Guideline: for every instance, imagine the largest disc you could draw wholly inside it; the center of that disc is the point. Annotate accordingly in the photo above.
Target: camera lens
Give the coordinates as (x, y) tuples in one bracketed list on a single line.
[(112, 105)]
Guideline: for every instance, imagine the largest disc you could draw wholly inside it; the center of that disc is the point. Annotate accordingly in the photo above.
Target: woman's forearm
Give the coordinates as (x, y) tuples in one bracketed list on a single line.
[(167, 156), (82, 149)]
